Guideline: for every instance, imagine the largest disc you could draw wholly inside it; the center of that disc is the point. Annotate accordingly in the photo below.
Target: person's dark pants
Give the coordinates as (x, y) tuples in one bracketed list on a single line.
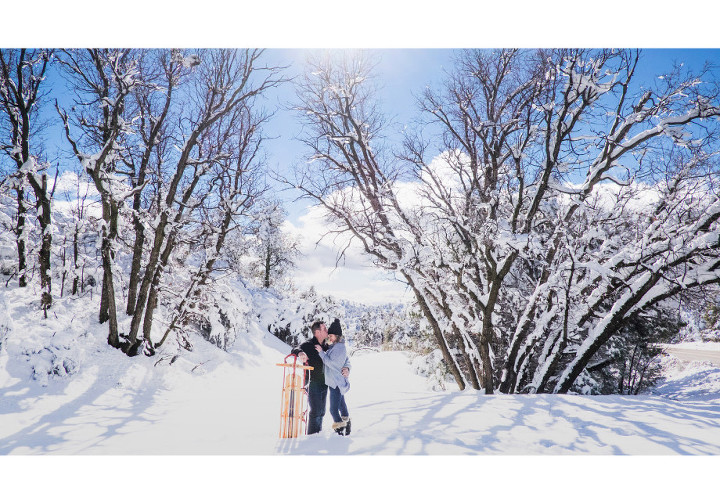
[(317, 399), (338, 408)]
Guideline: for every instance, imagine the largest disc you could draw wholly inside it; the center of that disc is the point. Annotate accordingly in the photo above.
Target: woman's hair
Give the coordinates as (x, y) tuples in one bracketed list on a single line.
[(338, 338)]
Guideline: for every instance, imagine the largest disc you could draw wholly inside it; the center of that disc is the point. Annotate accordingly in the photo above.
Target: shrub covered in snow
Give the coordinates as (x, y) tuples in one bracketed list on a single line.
[(433, 367), (42, 349)]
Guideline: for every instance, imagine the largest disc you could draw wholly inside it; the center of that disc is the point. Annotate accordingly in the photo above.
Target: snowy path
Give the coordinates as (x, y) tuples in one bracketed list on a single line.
[(691, 354), (234, 408)]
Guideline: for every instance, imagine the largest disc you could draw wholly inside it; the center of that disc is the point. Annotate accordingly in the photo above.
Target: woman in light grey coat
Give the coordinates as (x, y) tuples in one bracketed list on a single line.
[(334, 359)]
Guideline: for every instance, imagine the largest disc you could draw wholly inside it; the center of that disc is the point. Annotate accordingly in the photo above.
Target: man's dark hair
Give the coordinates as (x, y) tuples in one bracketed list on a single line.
[(316, 326)]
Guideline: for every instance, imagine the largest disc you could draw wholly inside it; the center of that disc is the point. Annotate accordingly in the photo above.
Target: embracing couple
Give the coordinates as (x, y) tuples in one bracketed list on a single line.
[(327, 354)]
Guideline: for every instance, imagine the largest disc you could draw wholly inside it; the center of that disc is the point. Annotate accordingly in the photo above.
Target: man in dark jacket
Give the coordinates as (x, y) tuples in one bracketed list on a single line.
[(317, 390)]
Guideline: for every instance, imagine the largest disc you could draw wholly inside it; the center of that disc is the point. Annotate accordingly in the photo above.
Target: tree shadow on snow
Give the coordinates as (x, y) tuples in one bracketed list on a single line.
[(75, 425), (469, 423)]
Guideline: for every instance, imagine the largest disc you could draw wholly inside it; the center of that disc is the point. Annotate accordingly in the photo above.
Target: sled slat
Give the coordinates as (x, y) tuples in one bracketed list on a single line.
[(294, 366), (293, 411)]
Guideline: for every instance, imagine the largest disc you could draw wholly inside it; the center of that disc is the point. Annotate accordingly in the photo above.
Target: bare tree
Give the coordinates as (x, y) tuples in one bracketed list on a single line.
[(215, 128), (352, 176), (103, 80), (162, 72), (234, 185), (177, 135), (22, 73), (74, 229), (498, 236)]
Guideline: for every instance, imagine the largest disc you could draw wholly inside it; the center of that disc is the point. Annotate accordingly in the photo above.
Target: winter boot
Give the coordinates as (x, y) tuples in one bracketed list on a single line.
[(339, 427), (346, 419)]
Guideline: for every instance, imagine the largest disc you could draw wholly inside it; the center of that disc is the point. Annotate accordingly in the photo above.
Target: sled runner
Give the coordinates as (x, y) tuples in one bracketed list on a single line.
[(293, 410)]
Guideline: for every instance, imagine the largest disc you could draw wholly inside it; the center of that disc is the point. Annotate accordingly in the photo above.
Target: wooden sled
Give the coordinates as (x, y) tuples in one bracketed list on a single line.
[(293, 410)]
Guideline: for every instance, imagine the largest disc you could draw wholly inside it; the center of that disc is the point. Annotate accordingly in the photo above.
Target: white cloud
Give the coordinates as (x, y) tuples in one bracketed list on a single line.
[(69, 183), (355, 278)]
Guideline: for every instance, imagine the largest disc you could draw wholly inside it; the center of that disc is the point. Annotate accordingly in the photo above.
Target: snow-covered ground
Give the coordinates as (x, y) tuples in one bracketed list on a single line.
[(127, 406), (66, 392), (232, 407)]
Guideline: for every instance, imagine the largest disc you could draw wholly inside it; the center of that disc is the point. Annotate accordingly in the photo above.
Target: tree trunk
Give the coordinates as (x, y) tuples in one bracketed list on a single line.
[(514, 359), (439, 338), (148, 278), (139, 235), (108, 307), (45, 219), (153, 296), (45, 275), (495, 278), (135, 268), (64, 267), (152, 302), (484, 348), (556, 351), (104, 314), (472, 369), (75, 262), (266, 283), (109, 293), (20, 237)]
